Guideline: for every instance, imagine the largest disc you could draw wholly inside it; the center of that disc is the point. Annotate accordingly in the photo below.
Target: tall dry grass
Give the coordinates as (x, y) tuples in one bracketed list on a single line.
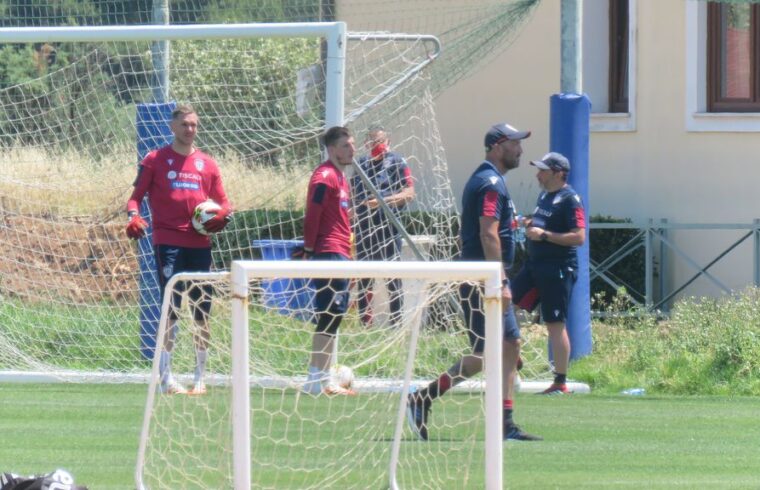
[(38, 182)]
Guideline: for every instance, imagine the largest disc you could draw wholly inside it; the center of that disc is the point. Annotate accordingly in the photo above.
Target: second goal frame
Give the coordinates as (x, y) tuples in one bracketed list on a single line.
[(487, 272)]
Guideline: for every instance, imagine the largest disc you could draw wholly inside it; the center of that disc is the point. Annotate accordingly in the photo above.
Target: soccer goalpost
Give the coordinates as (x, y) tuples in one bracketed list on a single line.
[(75, 287), (256, 429), (264, 94)]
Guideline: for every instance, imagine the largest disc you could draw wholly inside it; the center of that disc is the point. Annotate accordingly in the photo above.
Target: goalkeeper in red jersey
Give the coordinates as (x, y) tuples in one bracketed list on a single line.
[(176, 178)]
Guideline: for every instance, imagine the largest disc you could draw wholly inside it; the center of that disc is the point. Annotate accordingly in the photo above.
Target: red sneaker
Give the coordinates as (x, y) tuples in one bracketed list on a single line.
[(556, 389)]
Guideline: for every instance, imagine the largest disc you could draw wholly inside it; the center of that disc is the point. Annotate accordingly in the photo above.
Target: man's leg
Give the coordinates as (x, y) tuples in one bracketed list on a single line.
[(556, 284), (200, 306), (331, 301), (560, 343), (510, 357), (167, 261), (394, 285), (365, 301), (419, 403), (396, 294)]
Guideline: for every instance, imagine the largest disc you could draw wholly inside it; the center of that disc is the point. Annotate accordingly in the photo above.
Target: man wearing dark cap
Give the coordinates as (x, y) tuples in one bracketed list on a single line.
[(554, 233), (486, 234)]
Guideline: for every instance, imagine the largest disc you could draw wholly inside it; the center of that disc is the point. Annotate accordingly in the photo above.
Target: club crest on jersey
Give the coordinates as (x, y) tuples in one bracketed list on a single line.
[(493, 180), (167, 271), (557, 199), (325, 173), (171, 175), (170, 161), (199, 164)]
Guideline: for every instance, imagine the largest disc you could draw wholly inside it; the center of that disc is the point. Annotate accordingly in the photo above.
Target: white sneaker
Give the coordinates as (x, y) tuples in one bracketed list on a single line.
[(332, 389), (173, 388), (198, 390)]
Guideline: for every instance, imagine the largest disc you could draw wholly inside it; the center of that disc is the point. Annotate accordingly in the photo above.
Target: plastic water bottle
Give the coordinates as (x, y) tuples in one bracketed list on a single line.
[(634, 392), (519, 227)]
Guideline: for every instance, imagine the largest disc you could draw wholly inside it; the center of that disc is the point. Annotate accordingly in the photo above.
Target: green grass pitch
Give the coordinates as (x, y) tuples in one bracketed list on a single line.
[(591, 441)]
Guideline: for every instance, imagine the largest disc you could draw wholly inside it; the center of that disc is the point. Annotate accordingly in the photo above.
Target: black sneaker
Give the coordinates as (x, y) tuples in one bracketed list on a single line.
[(417, 413), (513, 432)]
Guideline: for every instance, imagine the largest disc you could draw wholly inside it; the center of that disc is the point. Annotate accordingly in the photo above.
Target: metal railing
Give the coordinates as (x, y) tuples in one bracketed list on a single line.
[(659, 245)]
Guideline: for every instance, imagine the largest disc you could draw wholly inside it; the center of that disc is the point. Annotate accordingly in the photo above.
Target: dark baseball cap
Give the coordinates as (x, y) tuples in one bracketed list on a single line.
[(503, 131), (552, 161)]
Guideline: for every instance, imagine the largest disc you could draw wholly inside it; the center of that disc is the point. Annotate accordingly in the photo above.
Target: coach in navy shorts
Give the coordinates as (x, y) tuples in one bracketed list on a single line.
[(555, 231), (486, 235)]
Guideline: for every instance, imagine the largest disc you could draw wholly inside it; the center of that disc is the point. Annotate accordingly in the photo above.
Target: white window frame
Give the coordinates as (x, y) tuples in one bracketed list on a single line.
[(618, 121), (696, 116)]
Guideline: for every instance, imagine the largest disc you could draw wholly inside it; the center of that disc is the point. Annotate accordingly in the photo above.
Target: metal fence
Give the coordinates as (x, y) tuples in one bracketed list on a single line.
[(658, 240)]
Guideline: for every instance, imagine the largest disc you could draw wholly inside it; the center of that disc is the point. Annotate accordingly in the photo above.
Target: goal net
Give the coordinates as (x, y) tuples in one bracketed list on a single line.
[(77, 294), (255, 427)]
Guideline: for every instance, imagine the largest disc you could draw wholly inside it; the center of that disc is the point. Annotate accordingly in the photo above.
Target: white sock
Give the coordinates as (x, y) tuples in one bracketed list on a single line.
[(165, 367), (314, 380), (200, 365)]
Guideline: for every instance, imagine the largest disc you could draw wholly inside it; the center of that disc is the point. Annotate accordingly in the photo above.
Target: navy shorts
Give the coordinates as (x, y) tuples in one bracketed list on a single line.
[(548, 283), (474, 316), (331, 295), (169, 261)]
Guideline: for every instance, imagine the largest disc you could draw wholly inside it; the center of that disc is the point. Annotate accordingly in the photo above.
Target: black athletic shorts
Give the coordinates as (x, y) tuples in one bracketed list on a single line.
[(549, 283), (169, 261)]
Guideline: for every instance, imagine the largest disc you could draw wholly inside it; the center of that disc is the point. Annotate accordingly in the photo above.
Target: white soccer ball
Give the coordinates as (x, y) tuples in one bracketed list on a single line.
[(342, 376), (202, 213)]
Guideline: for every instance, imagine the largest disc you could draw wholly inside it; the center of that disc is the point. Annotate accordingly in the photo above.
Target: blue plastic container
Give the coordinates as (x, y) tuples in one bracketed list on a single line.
[(291, 297)]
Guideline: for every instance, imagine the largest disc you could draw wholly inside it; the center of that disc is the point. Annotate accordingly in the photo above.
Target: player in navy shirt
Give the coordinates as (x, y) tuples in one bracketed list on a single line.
[(327, 236), (176, 179), (486, 234), (554, 233), (375, 236)]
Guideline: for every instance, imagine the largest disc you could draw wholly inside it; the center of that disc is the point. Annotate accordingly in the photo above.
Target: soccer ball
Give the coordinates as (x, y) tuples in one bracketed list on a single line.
[(202, 213), (342, 376)]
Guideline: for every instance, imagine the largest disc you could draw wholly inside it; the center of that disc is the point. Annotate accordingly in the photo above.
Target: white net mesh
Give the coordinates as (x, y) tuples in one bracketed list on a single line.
[(304, 441)]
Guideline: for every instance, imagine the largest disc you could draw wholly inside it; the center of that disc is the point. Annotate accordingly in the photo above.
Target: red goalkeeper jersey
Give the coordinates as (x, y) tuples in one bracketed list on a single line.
[(175, 185), (326, 226)]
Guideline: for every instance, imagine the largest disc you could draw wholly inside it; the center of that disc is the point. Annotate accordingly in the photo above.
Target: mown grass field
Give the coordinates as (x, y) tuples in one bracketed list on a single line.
[(696, 426), (592, 441)]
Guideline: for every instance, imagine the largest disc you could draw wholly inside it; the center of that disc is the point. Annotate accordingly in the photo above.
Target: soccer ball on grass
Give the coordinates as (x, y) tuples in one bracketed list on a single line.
[(202, 213), (342, 376)]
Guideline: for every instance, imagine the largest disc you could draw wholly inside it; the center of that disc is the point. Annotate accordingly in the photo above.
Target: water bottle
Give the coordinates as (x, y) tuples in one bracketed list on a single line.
[(634, 392), (518, 226)]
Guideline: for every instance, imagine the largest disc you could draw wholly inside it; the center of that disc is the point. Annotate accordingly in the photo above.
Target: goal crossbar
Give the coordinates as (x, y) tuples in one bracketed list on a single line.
[(487, 272), (335, 34)]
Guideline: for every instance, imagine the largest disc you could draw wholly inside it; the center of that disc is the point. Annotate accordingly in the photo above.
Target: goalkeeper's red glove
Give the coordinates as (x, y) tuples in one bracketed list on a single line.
[(136, 227), (217, 222)]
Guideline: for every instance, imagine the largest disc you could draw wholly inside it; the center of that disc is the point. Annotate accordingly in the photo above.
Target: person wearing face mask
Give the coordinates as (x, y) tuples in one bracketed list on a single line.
[(486, 235), (375, 236)]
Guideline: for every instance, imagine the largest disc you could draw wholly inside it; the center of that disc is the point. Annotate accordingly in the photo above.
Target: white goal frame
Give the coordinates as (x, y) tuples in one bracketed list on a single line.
[(335, 34), (243, 272)]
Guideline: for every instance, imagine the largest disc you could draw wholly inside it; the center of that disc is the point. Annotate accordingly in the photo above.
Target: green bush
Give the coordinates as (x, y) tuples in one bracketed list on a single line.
[(245, 89), (707, 346)]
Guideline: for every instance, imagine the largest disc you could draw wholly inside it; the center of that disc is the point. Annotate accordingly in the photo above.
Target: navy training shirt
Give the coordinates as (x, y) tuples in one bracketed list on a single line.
[(559, 212), (389, 176), (485, 194)]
